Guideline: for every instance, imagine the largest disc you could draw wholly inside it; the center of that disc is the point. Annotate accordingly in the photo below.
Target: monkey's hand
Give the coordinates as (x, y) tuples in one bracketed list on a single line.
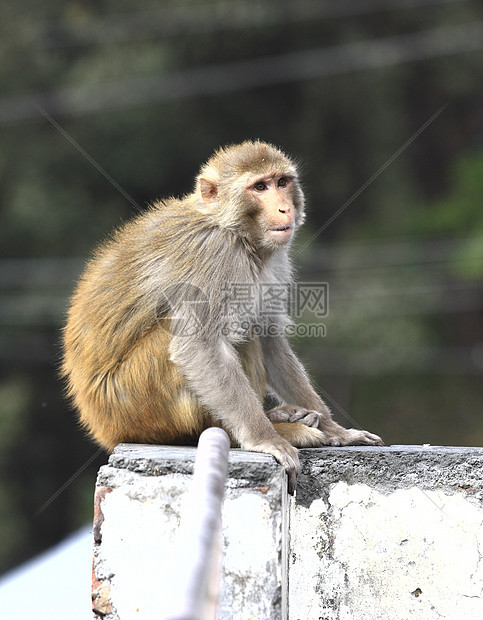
[(283, 452), (290, 413)]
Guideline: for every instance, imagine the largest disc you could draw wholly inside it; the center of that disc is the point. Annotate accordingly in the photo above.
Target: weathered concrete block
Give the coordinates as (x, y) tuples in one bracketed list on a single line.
[(375, 533), (139, 500), (387, 533)]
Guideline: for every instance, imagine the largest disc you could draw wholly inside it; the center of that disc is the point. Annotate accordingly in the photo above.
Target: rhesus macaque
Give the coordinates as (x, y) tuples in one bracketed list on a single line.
[(156, 347)]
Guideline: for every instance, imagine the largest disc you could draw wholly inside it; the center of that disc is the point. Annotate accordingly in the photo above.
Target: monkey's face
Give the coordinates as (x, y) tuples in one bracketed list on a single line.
[(271, 198), (252, 189)]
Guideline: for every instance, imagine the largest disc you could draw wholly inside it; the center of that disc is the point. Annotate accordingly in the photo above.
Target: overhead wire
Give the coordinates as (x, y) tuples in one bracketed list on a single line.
[(347, 256), (236, 76), (173, 21)]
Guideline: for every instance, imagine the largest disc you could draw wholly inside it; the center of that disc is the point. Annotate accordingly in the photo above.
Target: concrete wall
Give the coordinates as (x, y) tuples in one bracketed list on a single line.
[(376, 533), (139, 501), (388, 533)]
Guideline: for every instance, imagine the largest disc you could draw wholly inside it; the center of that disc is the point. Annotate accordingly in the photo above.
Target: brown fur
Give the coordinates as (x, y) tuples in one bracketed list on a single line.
[(132, 372)]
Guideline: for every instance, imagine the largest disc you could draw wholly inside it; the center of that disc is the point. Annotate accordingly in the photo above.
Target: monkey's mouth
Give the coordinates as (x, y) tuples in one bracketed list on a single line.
[(280, 234), (280, 229)]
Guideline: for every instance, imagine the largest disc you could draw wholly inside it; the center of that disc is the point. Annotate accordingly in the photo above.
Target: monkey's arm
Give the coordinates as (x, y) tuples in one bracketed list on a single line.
[(287, 377), (214, 372)]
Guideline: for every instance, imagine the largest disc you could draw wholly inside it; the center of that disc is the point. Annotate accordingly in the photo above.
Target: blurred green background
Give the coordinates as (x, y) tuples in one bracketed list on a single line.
[(108, 104)]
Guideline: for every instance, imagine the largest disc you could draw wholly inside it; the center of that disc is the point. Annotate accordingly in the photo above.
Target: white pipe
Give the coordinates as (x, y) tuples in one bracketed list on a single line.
[(194, 582)]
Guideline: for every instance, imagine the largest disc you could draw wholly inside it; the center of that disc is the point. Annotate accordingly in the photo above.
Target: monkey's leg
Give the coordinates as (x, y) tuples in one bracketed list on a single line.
[(143, 399)]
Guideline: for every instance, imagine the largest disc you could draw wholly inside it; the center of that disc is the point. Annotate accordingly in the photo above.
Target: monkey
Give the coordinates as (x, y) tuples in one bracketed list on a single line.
[(158, 344)]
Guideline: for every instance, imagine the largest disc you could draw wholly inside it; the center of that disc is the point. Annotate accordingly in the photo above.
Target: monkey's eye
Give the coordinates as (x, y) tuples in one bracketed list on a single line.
[(260, 186), (282, 182)]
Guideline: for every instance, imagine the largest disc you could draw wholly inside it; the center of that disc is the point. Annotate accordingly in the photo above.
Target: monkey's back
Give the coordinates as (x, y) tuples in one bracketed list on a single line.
[(117, 340)]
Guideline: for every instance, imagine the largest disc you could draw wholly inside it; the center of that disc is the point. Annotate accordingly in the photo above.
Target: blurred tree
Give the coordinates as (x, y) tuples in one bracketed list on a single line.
[(142, 96)]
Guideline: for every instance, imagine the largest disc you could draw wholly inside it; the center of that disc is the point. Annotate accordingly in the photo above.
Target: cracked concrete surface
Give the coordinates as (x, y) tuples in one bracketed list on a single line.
[(372, 550), (392, 533), (141, 500)]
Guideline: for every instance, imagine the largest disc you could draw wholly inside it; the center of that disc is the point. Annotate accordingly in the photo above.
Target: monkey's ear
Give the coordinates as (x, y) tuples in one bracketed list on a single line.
[(208, 189)]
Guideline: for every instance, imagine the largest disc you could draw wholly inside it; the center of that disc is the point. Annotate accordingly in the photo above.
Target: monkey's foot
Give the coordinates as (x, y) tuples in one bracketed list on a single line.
[(332, 434), (290, 413), (353, 437)]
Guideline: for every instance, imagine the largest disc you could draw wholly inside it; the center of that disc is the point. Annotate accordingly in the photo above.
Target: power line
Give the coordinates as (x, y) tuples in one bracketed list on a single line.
[(32, 348), (407, 299), (389, 359), (204, 18), (247, 74), (343, 257), (387, 296), (382, 255)]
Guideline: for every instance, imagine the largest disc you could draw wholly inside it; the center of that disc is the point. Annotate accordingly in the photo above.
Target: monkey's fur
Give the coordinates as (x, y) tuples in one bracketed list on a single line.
[(153, 350)]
